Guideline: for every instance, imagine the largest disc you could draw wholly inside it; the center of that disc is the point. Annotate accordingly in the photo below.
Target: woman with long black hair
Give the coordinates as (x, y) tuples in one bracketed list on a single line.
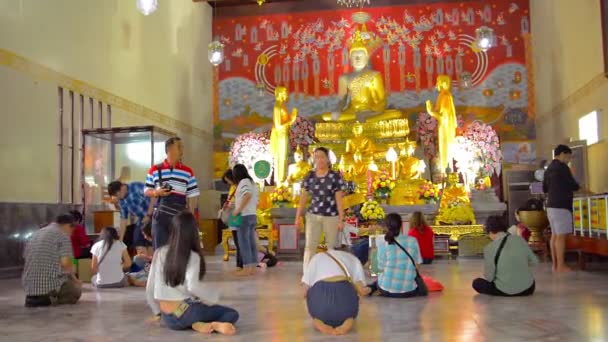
[(174, 290), (245, 207), (110, 259)]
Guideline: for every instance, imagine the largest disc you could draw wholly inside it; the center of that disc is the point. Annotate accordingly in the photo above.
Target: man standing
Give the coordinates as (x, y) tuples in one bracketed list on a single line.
[(560, 185), (175, 185), (133, 202), (48, 276)]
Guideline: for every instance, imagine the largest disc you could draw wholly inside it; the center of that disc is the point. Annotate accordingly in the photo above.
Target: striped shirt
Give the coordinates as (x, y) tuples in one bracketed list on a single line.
[(180, 177), (135, 203), (398, 272), (43, 272)]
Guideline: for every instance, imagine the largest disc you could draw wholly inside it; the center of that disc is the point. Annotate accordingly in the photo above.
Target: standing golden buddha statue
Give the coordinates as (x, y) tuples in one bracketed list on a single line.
[(279, 137), (299, 169), (361, 92), (445, 114)]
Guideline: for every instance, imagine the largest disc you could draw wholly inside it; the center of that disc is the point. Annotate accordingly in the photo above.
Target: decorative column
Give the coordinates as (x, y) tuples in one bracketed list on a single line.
[(316, 71), (386, 58), (305, 76), (402, 60), (529, 53), (417, 66), (331, 65)]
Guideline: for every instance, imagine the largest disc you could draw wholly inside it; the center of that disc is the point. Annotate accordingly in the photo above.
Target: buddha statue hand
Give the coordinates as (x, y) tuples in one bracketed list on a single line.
[(429, 107)]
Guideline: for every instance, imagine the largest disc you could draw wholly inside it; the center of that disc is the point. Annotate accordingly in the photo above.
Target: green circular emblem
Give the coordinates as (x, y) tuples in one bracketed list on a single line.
[(261, 169)]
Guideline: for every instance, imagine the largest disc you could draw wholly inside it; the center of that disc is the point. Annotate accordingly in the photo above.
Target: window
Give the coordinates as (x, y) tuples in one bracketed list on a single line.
[(588, 128)]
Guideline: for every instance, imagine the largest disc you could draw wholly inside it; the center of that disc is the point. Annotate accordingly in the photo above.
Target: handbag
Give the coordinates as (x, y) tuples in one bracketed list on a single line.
[(225, 214), (235, 220), (423, 290)]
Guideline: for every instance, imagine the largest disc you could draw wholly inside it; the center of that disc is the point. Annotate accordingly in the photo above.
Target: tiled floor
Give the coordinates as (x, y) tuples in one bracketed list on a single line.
[(565, 308)]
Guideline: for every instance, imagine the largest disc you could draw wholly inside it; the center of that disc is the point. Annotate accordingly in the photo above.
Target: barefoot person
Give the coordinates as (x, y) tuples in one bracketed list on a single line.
[(245, 207), (334, 280), (175, 292), (560, 185)]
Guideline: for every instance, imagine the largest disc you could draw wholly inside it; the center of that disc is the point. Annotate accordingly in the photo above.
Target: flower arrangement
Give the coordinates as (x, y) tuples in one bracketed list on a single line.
[(281, 195), (247, 148), (301, 133), (484, 143), (426, 129), (429, 192), (456, 213), (383, 185), (371, 210)]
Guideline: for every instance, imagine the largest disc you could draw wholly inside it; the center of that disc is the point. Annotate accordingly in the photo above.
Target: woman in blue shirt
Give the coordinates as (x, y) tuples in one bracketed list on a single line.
[(398, 275)]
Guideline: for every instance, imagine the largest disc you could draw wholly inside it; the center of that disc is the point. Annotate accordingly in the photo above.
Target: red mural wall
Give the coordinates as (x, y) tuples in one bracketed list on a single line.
[(409, 44)]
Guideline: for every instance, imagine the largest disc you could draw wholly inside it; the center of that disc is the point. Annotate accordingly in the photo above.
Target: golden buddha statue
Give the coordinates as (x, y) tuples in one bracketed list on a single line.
[(357, 171), (361, 92), (359, 143), (299, 169), (279, 137), (445, 114), (410, 167), (454, 191)]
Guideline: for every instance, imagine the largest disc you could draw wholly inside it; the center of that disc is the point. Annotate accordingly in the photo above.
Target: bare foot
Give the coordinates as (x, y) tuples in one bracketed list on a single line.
[(564, 269), (323, 328), (224, 328), (345, 327), (203, 328), (364, 291)]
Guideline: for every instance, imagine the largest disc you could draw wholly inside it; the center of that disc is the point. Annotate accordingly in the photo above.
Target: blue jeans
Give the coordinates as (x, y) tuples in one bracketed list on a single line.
[(361, 250), (247, 240), (199, 312)]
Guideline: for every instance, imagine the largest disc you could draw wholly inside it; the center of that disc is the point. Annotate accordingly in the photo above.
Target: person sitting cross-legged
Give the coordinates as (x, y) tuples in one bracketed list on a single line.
[(507, 261)]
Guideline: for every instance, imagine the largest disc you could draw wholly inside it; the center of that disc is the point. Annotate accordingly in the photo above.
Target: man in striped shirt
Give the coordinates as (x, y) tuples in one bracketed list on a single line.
[(175, 186)]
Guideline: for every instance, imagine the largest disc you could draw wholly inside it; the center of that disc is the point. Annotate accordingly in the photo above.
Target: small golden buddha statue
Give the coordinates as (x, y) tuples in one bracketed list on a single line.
[(299, 169), (445, 114), (279, 137), (410, 167), (360, 143), (357, 171), (361, 92), (454, 191)]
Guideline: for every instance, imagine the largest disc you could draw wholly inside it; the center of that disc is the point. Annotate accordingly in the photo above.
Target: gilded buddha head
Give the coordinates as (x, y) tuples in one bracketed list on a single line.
[(298, 155), (359, 55), (357, 129), (453, 178), (280, 93), (444, 82)]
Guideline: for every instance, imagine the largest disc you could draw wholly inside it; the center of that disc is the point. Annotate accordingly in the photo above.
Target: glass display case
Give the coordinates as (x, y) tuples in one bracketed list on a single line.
[(122, 153)]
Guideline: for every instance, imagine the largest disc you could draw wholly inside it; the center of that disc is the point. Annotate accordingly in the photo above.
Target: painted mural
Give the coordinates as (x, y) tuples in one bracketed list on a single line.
[(410, 46)]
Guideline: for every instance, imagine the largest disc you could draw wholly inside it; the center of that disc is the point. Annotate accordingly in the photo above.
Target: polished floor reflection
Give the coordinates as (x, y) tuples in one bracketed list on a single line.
[(571, 307)]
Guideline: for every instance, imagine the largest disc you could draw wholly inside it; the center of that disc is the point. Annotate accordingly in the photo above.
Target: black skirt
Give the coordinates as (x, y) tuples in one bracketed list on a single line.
[(332, 302)]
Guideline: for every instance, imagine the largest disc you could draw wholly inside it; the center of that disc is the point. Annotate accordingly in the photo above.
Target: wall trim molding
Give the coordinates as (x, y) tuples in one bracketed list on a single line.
[(16, 62), (577, 95)]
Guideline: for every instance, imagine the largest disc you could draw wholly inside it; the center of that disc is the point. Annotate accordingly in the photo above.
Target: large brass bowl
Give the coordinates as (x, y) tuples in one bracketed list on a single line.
[(537, 222)]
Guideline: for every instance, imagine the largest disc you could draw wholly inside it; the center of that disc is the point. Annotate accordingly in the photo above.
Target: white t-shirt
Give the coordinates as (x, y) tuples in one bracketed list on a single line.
[(157, 289), (322, 266), (110, 269), (247, 186)]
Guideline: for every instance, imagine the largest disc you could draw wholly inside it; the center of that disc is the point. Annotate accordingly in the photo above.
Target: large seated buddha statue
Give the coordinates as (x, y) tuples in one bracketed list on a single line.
[(361, 92), (299, 169), (454, 191)]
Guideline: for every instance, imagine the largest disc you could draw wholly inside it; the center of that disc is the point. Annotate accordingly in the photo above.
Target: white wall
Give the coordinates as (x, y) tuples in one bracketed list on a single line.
[(569, 65), (159, 61)]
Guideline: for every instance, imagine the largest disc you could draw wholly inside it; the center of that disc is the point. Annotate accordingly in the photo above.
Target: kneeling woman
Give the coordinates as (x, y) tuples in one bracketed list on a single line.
[(174, 290), (334, 281), (399, 260)]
